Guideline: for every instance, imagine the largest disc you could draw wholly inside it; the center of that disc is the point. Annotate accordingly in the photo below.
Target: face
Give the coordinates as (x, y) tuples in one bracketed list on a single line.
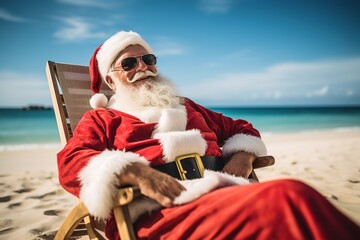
[(124, 76)]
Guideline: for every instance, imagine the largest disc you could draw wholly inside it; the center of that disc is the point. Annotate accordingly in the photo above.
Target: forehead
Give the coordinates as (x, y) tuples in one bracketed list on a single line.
[(132, 50)]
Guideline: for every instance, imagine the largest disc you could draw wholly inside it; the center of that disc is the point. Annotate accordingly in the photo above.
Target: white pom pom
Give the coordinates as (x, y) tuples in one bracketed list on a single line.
[(98, 100)]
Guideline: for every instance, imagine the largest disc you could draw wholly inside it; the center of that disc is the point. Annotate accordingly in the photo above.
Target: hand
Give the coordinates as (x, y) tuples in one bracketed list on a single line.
[(152, 183), (240, 164)]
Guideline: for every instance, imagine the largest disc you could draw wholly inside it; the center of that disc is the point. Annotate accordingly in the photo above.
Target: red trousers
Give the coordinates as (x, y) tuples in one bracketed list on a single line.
[(281, 209)]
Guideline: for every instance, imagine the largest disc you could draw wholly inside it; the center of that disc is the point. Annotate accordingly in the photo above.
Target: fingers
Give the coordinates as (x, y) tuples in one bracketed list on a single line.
[(160, 187), (170, 187), (238, 169)]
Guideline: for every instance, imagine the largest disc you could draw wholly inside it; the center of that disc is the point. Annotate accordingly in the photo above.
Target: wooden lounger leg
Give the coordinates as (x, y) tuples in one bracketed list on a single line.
[(71, 222), (124, 223)]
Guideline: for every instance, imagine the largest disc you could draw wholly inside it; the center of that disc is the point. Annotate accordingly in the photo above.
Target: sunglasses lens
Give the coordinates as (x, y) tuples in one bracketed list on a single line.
[(149, 59), (129, 63)]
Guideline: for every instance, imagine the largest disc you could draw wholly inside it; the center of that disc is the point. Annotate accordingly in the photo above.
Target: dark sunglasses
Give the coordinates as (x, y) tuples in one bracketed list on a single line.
[(130, 63)]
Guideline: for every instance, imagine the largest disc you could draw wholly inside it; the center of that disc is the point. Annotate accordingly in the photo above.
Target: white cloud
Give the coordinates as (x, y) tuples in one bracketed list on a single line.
[(215, 6), (77, 29), (296, 80), (20, 89), (165, 47), (7, 16), (318, 93)]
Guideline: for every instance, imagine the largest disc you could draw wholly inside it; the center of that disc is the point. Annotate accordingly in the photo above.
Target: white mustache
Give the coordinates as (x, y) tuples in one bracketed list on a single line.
[(141, 75)]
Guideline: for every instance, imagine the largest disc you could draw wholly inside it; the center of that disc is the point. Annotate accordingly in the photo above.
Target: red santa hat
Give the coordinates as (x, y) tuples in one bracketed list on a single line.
[(104, 56)]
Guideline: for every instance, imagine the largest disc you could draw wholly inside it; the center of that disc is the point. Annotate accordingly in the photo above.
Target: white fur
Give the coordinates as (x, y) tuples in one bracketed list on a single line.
[(148, 115), (174, 119), (178, 143), (114, 45), (99, 180), (98, 100), (246, 143), (197, 187)]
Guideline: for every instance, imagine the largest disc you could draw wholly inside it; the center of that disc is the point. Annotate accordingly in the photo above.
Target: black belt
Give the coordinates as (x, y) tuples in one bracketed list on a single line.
[(191, 166)]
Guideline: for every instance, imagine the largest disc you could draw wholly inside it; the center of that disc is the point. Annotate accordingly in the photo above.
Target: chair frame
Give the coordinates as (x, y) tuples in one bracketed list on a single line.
[(78, 221)]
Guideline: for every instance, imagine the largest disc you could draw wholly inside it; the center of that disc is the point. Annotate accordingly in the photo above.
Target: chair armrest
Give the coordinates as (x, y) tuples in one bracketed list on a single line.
[(264, 161), (126, 195)]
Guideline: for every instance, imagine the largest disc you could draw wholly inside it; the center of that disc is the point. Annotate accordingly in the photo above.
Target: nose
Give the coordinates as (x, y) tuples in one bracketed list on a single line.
[(141, 66)]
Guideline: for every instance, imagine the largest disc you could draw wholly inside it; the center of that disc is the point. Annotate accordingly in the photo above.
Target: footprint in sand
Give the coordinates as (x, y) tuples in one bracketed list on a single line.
[(14, 205), (46, 236), (354, 181), (23, 190), (5, 199), (52, 212), (5, 226), (44, 195)]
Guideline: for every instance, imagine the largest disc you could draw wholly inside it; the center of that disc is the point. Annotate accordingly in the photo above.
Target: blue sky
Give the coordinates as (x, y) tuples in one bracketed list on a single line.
[(239, 53)]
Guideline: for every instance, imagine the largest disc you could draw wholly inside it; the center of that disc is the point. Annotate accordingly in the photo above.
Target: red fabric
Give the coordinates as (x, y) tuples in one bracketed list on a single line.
[(281, 209), (94, 72), (102, 129)]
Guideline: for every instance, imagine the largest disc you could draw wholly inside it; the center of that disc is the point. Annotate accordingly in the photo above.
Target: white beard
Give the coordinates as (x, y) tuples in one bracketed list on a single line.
[(156, 93)]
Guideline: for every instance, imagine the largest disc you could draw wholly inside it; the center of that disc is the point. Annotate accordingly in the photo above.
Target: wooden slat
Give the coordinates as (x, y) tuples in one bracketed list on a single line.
[(74, 81), (62, 99)]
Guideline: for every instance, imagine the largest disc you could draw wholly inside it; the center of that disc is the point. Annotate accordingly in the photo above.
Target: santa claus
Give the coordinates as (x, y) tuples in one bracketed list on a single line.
[(190, 163)]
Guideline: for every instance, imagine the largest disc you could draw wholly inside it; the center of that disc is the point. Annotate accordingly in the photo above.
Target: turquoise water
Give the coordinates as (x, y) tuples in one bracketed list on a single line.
[(28, 127), (32, 128), (295, 119)]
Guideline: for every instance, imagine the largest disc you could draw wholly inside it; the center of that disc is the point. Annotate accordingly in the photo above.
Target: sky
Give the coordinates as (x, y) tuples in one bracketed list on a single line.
[(218, 53)]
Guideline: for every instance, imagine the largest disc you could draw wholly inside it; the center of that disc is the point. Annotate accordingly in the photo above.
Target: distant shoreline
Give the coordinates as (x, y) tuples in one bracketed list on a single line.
[(35, 108), (28, 108)]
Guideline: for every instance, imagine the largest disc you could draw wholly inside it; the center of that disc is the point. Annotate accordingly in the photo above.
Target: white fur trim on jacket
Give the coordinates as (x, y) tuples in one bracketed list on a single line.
[(172, 120), (246, 143), (197, 187), (99, 180), (181, 142)]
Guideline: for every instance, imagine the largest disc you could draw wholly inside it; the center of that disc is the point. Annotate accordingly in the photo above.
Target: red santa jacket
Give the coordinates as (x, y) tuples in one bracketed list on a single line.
[(107, 140)]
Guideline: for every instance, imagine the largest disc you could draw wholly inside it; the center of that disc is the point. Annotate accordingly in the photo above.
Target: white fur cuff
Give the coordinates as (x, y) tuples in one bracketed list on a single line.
[(246, 143), (182, 142), (99, 180), (197, 187)]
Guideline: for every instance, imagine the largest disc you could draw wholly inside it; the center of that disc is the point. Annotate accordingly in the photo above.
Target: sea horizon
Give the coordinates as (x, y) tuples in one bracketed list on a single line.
[(33, 129)]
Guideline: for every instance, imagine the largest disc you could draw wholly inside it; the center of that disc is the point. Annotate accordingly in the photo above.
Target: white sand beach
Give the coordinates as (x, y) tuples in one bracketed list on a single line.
[(33, 205)]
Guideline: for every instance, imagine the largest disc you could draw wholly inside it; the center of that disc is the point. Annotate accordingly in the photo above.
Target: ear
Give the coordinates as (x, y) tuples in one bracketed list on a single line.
[(110, 82)]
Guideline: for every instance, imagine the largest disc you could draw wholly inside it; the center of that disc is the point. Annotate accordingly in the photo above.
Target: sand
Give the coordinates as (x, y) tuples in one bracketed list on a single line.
[(33, 204)]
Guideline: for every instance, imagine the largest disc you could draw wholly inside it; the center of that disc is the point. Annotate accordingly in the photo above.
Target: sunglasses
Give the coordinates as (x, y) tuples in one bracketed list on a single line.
[(130, 63)]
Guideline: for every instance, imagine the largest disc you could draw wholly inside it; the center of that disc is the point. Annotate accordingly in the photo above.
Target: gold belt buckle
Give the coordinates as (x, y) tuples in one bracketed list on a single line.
[(198, 163)]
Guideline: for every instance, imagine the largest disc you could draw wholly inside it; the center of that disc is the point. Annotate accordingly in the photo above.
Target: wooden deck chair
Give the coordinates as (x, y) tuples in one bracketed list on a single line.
[(70, 92)]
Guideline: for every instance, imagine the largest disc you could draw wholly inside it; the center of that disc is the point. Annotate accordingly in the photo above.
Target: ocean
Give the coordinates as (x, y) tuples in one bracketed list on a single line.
[(21, 129)]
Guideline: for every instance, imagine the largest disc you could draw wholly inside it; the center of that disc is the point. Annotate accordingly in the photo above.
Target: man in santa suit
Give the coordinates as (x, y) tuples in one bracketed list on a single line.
[(141, 134)]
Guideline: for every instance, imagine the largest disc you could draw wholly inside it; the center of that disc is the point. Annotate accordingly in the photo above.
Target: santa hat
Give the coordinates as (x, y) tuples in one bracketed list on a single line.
[(104, 56)]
